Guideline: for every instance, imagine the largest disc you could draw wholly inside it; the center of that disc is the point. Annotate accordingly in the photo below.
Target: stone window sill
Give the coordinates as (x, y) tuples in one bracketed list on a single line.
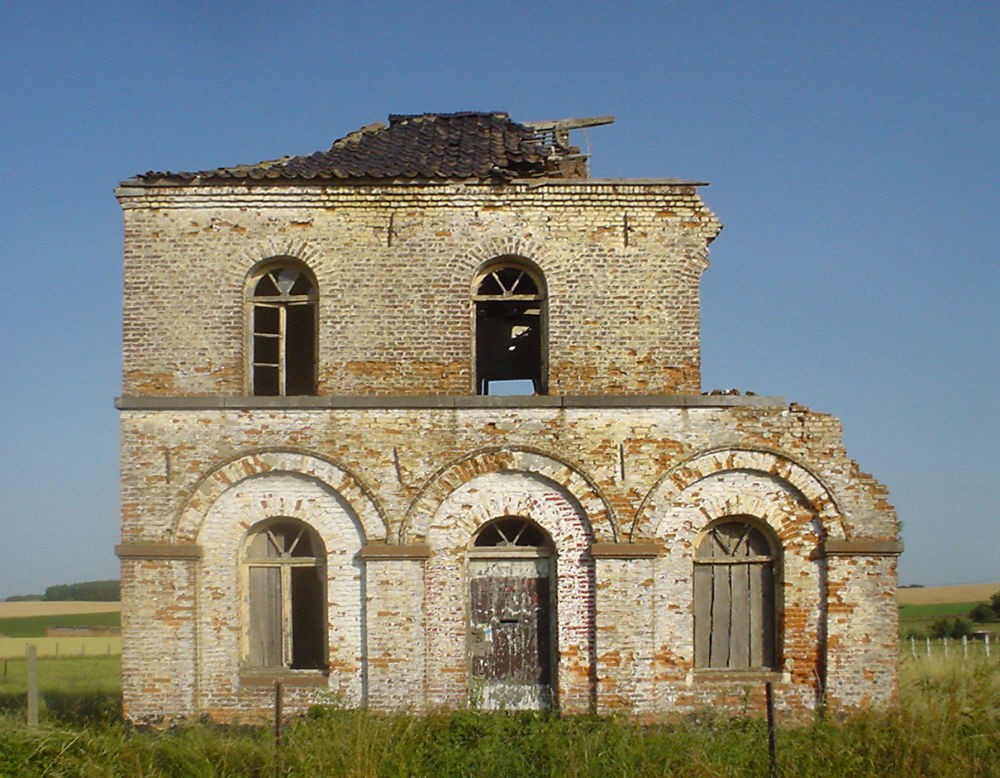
[(269, 677), (721, 675)]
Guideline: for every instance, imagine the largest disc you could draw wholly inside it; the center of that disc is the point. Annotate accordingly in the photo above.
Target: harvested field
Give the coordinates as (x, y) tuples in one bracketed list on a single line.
[(13, 610), (934, 595)]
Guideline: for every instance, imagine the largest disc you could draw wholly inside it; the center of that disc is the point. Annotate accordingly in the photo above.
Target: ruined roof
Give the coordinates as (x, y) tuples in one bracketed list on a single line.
[(421, 146)]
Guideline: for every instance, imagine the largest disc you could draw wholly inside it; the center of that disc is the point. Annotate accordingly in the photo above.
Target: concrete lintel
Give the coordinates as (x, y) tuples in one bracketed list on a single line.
[(430, 402), (381, 551), (158, 551), (834, 547), (624, 550)]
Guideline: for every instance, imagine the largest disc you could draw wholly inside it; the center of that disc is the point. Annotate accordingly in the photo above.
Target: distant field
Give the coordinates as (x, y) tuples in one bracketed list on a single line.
[(24, 623), (934, 595), (13, 648), (11, 610)]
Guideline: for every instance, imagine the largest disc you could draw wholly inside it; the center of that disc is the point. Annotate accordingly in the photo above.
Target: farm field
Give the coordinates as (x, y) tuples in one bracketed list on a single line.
[(919, 608), (24, 623), (936, 595), (11, 610)]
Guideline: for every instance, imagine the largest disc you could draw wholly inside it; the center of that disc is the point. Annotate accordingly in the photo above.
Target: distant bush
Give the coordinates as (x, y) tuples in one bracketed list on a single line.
[(91, 591), (983, 614), (951, 628), (25, 598)]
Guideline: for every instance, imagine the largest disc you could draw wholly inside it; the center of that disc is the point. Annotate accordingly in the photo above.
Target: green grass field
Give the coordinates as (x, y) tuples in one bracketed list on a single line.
[(35, 626), (947, 724), (16, 633), (917, 619)]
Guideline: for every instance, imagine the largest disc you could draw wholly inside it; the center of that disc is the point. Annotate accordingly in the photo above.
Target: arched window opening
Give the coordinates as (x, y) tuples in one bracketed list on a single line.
[(735, 585), (283, 332), (510, 311), (286, 597), (512, 532)]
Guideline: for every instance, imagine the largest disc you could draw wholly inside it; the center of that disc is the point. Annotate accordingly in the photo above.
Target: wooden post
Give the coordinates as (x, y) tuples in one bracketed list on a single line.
[(772, 750), (944, 642), (965, 647), (986, 643), (913, 646), (928, 648), (31, 660), (278, 761)]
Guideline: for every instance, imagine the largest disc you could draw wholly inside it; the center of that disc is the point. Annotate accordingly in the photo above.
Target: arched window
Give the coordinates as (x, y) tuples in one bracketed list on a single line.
[(284, 561), (511, 533), (735, 618), (510, 311), (282, 303)]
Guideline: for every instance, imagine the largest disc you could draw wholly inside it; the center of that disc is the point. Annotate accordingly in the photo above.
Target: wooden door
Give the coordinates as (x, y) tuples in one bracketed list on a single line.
[(510, 634)]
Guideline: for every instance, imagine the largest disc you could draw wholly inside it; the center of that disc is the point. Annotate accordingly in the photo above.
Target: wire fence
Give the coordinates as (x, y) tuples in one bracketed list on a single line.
[(966, 647)]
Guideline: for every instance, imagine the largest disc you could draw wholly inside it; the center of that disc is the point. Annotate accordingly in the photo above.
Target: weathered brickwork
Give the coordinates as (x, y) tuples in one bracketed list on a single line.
[(395, 271), (399, 470)]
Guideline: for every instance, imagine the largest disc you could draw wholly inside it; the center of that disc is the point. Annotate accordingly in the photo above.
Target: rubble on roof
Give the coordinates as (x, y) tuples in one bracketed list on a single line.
[(476, 145)]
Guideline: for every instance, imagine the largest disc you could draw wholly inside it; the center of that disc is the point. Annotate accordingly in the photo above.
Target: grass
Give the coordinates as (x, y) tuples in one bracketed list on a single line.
[(947, 724), (14, 648), (35, 626), (71, 690), (917, 619)]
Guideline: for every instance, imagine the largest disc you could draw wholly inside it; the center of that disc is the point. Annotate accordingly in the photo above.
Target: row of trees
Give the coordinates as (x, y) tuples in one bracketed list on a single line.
[(90, 591)]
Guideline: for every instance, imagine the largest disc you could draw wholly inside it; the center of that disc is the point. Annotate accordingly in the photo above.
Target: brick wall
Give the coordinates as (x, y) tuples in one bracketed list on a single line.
[(418, 482), (395, 268), (396, 466)]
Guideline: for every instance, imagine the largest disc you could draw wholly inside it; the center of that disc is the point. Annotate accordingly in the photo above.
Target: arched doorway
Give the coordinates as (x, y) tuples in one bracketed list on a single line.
[(511, 611)]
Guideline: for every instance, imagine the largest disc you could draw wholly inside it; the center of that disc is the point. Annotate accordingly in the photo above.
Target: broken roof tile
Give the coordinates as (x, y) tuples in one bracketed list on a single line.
[(419, 146)]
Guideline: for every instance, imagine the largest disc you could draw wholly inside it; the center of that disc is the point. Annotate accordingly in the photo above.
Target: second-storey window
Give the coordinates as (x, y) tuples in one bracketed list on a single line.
[(510, 322), (282, 310)]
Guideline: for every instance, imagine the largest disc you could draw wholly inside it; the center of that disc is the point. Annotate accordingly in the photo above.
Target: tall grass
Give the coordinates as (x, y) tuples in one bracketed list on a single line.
[(947, 724)]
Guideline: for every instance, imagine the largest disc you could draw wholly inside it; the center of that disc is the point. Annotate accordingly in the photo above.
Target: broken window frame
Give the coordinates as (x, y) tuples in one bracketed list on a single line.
[(285, 628), (284, 362), (737, 574), (504, 296)]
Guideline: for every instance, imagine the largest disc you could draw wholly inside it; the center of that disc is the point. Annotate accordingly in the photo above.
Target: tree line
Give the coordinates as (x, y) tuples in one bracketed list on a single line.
[(90, 591)]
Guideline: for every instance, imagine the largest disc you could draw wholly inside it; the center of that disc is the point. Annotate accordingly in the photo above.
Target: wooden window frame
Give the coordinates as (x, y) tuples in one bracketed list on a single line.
[(281, 303), (509, 294), (757, 614), (285, 563)]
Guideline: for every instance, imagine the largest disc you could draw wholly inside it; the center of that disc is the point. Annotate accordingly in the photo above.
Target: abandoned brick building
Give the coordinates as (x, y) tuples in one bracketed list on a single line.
[(417, 422)]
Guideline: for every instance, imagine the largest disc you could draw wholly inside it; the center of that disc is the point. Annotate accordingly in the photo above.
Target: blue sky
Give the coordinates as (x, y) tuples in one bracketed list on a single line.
[(851, 150)]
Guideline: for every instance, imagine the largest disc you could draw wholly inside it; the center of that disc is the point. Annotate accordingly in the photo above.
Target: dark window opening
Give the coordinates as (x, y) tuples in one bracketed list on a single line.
[(511, 531), (510, 342), (283, 337)]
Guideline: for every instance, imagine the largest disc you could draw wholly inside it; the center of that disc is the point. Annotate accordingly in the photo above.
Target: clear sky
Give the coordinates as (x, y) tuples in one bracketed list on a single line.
[(852, 150)]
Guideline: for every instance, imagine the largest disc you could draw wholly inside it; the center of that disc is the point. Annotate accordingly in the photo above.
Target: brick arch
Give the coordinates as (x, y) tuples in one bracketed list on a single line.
[(504, 246), (274, 248), (331, 476), (799, 480), (495, 460)]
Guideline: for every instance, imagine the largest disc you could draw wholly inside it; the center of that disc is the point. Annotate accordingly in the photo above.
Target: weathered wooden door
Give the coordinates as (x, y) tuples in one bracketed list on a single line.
[(510, 633)]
